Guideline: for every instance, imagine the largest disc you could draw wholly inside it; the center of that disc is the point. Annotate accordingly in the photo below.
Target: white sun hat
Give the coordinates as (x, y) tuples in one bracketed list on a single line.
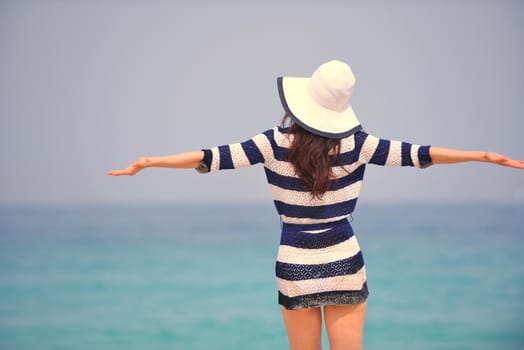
[(320, 104)]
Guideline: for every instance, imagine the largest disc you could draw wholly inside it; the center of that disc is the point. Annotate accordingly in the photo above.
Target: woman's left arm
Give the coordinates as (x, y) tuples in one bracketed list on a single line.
[(441, 155), (180, 160)]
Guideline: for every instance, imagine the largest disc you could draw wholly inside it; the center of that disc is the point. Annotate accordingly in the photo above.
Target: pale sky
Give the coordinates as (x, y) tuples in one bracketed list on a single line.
[(88, 86)]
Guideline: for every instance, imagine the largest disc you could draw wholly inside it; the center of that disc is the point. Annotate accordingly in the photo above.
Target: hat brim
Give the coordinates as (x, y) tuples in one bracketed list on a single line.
[(310, 115)]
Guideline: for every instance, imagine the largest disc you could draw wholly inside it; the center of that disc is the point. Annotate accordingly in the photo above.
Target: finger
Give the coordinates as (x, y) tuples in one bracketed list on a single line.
[(115, 172), (119, 172), (520, 164), (516, 164)]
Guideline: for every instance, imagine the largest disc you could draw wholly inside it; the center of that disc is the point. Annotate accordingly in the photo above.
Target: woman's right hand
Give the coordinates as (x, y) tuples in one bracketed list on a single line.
[(132, 169), (496, 158), (441, 155)]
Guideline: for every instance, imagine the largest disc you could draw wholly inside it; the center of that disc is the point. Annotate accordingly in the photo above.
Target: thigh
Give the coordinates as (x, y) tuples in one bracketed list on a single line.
[(304, 328), (345, 325)]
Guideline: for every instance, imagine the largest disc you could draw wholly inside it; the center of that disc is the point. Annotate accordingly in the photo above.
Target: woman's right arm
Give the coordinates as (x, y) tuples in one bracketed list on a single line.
[(441, 155), (379, 151)]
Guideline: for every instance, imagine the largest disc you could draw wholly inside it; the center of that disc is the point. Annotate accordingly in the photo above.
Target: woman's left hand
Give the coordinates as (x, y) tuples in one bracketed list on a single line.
[(132, 169)]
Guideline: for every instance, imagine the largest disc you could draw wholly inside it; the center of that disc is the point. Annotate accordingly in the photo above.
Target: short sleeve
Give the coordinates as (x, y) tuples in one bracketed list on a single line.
[(257, 149), (386, 152)]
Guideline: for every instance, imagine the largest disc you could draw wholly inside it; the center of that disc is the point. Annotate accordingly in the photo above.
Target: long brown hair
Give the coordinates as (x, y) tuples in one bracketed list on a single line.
[(312, 157)]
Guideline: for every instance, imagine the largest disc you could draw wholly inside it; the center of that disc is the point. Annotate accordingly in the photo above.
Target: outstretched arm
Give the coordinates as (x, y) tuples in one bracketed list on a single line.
[(448, 156), (180, 160)]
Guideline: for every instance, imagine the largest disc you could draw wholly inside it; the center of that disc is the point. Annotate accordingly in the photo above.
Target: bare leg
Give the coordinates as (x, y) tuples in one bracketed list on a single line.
[(304, 328), (345, 325)]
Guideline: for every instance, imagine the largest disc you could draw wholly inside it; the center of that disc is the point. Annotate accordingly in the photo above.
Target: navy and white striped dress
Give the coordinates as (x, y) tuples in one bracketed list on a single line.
[(319, 261)]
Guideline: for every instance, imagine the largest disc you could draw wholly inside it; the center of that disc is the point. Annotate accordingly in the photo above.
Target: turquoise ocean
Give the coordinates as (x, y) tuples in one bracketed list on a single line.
[(446, 276)]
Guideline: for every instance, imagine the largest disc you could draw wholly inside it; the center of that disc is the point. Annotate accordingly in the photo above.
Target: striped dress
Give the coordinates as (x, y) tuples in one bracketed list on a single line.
[(319, 261)]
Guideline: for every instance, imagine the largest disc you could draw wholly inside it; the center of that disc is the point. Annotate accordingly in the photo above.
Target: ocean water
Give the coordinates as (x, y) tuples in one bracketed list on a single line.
[(202, 277)]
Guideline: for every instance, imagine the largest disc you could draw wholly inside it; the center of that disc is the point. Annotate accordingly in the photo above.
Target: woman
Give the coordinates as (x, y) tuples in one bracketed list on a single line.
[(315, 167)]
